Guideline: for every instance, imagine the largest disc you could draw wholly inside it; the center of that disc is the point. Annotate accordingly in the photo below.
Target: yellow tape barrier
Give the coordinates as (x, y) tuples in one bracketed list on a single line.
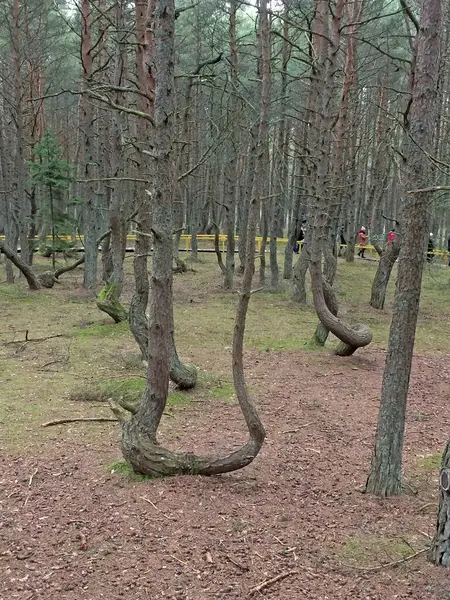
[(201, 238)]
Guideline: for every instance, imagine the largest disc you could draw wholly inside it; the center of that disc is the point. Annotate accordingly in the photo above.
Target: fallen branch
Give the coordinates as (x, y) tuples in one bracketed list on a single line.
[(268, 582), (42, 339), (394, 563), (80, 420)]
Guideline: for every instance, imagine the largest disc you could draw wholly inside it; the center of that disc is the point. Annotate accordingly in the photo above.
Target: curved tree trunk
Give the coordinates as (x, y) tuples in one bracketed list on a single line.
[(383, 274), (352, 337), (329, 273), (32, 279), (321, 334), (139, 442)]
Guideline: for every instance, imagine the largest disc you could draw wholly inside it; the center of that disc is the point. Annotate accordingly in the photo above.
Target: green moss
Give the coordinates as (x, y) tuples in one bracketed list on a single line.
[(213, 385), (124, 469), (16, 291), (430, 462), (178, 399), (101, 330), (223, 391), (367, 550)]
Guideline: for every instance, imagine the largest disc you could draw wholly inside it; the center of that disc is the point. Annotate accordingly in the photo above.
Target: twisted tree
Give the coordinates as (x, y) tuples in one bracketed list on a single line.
[(139, 434)]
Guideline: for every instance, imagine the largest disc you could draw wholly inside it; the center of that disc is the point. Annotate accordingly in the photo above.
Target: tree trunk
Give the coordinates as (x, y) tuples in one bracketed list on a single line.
[(90, 215), (108, 300), (26, 270), (383, 274), (439, 552), (300, 270), (385, 478), (184, 376), (19, 182), (139, 434)]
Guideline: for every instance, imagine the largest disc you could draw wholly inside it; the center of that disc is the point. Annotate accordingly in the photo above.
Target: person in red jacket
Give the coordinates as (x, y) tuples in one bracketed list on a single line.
[(362, 241), (391, 236)]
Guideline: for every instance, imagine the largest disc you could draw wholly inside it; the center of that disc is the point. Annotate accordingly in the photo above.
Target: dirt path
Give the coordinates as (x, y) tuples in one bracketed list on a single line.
[(296, 510)]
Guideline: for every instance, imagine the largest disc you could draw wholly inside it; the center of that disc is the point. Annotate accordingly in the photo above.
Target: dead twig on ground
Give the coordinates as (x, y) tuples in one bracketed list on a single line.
[(236, 564), (268, 582), (156, 508), (394, 563), (80, 420), (298, 428), (30, 481), (182, 562)]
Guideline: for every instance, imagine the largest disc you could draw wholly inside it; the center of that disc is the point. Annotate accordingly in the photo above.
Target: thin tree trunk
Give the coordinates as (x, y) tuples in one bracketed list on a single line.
[(90, 215), (385, 478), (383, 274), (19, 187)]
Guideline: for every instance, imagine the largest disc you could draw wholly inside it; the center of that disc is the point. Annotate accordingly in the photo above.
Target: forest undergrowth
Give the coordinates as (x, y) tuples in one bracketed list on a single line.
[(298, 509)]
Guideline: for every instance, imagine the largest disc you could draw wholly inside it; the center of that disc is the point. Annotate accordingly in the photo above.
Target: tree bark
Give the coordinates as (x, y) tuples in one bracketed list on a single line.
[(385, 478), (108, 299), (139, 438), (439, 552), (383, 274), (90, 215), (26, 270)]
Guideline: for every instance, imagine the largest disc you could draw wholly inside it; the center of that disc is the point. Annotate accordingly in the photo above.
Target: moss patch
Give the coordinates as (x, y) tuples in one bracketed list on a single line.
[(430, 462), (123, 469), (102, 330), (370, 550)]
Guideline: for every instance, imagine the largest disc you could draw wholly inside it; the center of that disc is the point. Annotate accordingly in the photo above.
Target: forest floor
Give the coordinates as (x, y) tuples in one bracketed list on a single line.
[(75, 524)]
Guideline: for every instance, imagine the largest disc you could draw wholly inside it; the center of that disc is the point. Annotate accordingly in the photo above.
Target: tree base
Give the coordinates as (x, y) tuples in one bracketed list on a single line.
[(147, 457), (108, 303)]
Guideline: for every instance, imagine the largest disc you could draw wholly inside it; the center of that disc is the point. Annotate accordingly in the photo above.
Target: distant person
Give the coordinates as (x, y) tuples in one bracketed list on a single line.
[(430, 249), (342, 241), (448, 249), (391, 236), (299, 244), (362, 241)]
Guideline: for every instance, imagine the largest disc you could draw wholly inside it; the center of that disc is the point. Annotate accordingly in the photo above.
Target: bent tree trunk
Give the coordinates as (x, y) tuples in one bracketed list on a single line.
[(321, 334), (139, 444), (329, 273), (26, 270), (351, 337), (107, 301), (383, 274), (439, 552)]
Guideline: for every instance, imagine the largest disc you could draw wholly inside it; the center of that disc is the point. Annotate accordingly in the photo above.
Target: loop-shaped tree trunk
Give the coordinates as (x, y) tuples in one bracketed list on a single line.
[(351, 337)]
